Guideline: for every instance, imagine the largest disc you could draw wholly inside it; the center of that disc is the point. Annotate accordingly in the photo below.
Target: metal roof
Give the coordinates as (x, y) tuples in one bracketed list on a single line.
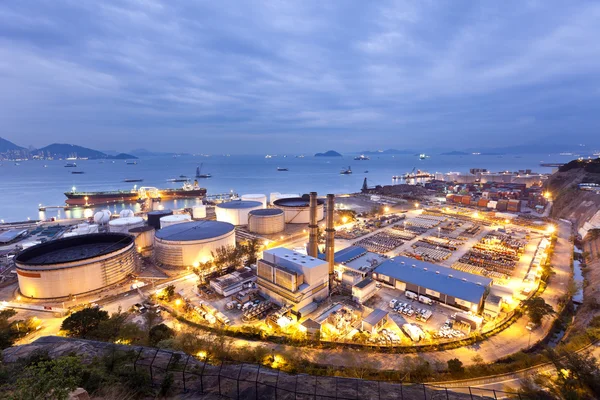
[(267, 211), (364, 283), (375, 317), (197, 230), (237, 204), (458, 284), (349, 254), (10, 235)]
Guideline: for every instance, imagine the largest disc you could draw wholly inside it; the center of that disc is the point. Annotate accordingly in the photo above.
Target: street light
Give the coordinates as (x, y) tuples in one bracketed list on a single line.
[(416, 205), (386, 209), (344, 219)]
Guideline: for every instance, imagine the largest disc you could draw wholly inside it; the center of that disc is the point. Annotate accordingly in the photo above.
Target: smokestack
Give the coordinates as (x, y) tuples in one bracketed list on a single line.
[(330, 233), (313, 228)]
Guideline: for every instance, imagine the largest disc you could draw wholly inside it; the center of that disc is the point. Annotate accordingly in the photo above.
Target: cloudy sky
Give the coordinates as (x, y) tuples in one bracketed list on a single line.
[(296, 76)]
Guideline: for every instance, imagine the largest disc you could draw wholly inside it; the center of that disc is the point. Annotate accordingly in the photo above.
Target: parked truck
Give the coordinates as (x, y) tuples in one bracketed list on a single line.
[(410, 295), (425, 300)]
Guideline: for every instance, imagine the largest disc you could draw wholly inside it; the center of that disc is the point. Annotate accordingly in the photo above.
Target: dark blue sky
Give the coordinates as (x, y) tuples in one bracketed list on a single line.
[(298, 76)]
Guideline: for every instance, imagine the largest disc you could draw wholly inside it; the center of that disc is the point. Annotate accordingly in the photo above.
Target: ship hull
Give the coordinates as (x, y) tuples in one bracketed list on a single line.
[(100, 198)]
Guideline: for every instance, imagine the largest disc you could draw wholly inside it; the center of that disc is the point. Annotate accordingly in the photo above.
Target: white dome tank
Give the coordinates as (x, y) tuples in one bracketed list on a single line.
[(126, 213), (123, 225), (102, 217), (261, 198), (199, 212), (174, 220)]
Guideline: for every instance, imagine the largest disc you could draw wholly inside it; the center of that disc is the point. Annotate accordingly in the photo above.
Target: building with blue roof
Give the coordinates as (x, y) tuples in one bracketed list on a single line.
[(448, 286)]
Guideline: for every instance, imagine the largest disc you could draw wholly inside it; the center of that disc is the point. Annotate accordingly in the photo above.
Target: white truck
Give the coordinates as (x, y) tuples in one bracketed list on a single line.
[(411, 295), (425, 300)]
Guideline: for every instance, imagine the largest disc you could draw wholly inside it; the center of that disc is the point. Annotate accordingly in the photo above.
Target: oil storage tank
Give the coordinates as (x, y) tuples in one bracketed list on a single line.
[(236, 212), (276, 196), (155, 216), (199, 212), (297, 209), (75, 265), (123, 225), (174, 219), (262, 198), (190, 243), (266, 221), (144, 239)]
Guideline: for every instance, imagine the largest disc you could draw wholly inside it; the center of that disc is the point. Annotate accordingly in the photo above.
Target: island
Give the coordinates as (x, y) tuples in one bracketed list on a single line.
[(329, 153)]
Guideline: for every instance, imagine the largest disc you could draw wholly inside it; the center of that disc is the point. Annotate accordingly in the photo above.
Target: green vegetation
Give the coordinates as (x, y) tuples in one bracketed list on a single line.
[(93, 323), (10, 331), (80, 323), (591, 166), (536, 309), (227, 258)]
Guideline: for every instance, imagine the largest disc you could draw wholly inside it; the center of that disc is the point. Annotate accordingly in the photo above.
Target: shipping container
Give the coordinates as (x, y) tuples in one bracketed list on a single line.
[(502, 205), (466, 200), (482, 203)]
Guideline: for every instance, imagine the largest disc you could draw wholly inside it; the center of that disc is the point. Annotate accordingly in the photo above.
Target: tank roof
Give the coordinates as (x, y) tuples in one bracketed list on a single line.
[(267, 211), (296, 202), (238, 204), (160, 212), (197, 230), (140, 229), (74, 248)]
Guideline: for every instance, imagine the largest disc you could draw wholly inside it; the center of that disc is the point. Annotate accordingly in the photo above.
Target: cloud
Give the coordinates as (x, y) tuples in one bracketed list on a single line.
[(265, 72)]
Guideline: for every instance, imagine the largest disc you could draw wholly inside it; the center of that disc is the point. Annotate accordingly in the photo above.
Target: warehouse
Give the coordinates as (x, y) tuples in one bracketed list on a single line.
[(364, 290), (376, 320), (448, 286), (75, 265), (187, 244), (230, 284)]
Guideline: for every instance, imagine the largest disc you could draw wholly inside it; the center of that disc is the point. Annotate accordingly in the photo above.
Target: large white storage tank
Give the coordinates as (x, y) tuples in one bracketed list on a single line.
[(276, 196), (236, 212), (123, 225), (144, 239), (261, 198), (190, 243), (174, 220), (297, 210), (199, 212), (126, 213), (267, 221), (75, 265)]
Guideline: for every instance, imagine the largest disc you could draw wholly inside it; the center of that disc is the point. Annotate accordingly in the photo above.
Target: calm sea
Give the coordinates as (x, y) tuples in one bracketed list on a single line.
[(24, 187)]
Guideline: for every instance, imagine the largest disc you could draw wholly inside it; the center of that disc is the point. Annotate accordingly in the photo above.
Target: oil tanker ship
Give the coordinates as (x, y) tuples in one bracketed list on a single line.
[(188, 190)]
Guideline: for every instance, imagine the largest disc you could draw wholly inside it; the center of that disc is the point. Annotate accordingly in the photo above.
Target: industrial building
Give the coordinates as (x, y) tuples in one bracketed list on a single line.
[(448, 286), (75, 265), (267, 221), (230, 284), (236, 212), (294, 279), (187, 244), (297, 209), (355, 263), (364, 290), (376, 320)]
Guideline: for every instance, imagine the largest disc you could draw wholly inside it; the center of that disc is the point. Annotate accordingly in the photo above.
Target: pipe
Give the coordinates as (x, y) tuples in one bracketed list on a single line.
[(330, 233), (313, 228)]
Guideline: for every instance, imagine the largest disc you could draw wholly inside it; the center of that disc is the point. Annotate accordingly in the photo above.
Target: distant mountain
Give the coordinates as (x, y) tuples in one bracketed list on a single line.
[(388, 151), (330, 153), (66, 150), (6, 145)]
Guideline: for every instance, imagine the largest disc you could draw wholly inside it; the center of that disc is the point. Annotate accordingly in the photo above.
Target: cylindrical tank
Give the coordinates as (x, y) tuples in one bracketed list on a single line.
[(199, 212), (144, 239), (261, 198), (102, 217), (126, 213), (155, 216), (297, 209), (266, 221), (236, 212), (174, 220), (123, 225)]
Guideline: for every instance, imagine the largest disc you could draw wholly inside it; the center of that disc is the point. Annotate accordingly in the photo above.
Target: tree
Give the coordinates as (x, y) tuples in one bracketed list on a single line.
[(455, 366), (250, 250), (7, 336), (53, 379), (167, 293), (80, 323), (160, 332), (537, 308)]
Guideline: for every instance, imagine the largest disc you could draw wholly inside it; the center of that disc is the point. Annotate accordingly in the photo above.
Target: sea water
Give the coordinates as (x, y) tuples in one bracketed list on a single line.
[(24, 187)]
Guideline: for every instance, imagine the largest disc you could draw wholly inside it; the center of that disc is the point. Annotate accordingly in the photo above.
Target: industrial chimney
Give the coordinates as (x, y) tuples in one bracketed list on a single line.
[(330, 233), (313, 228)]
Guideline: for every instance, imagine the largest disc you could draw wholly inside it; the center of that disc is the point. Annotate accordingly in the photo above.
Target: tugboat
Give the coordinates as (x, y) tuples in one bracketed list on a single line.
[(133, 180), (177, 180), (131, 162), (346, 171), (282, 169), (71, 165), (77, 172), (422, 156), (362, 157), (199, 175)]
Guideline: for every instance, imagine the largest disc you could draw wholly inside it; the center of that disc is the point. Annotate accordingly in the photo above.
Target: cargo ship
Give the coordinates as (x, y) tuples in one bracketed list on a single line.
[(188, 190)]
